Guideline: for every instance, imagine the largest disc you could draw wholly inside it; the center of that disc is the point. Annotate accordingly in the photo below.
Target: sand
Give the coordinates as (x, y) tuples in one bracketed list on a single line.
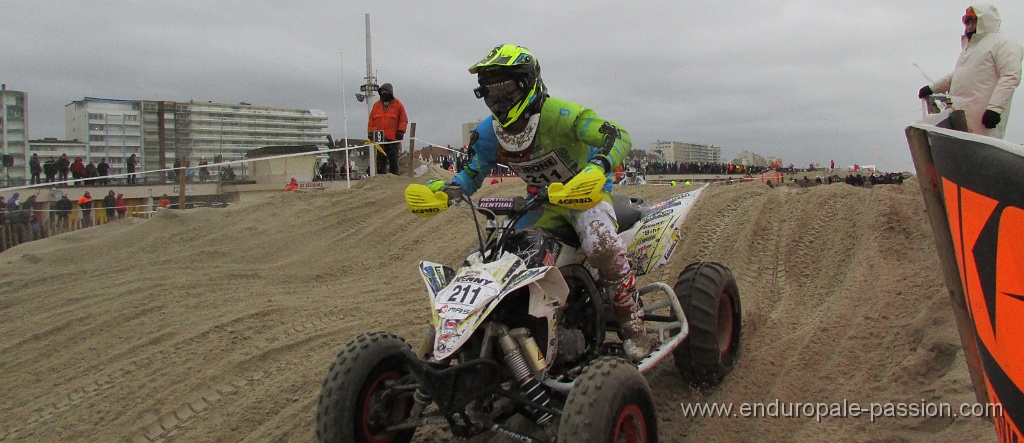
[(218, 325)]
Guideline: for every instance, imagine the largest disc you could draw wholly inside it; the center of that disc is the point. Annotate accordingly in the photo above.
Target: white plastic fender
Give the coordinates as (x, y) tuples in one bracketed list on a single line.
[(460, 305)]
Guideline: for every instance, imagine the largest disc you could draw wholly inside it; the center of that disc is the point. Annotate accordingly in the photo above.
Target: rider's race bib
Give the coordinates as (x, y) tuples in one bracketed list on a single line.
[(543, 170)]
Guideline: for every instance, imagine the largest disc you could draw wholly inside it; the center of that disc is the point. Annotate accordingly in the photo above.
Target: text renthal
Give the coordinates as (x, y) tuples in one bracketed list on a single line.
[(844, 409)]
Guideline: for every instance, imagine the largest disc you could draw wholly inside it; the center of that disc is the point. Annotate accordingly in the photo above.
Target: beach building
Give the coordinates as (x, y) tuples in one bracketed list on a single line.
[(467, 131), (747, 158), (13, 137), (672, 152)]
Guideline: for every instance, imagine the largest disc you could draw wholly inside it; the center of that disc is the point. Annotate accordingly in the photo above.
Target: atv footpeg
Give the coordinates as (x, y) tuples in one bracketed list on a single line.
[(670, 330)]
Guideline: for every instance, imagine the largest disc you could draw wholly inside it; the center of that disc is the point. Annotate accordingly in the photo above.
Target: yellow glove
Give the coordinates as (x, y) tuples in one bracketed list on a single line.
[(582, 192), (424, 202), (436, 185)]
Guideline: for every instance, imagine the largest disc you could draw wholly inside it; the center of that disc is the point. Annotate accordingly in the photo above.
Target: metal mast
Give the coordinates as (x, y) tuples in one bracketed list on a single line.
[(368, 89), (371, 81)]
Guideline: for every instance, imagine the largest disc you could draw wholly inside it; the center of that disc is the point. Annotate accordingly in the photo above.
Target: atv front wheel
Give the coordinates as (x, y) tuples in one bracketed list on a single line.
[(356, 403), (710, 299), (610, 402)]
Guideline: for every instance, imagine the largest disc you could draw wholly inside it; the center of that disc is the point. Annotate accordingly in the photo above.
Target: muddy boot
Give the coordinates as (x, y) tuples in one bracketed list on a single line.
[(630, 317)]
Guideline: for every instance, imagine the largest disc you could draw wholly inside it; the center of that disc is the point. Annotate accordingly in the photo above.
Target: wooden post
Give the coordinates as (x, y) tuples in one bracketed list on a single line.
[(931, 190), (181, 183), (412, 148)]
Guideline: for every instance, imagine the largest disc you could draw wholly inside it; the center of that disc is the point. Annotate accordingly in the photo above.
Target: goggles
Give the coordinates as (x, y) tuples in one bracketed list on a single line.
[(503, 96), (503, 88)]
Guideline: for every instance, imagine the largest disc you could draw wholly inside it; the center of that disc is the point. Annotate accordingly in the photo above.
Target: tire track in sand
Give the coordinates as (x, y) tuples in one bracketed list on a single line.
[(172, 420), (99, 387)]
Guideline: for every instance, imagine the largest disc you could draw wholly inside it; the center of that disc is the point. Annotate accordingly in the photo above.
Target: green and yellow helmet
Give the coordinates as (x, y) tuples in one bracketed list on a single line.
[(509, 78)]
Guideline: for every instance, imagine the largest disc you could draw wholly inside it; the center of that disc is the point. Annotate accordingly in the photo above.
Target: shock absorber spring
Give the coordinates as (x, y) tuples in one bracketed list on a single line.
[(421, 401), (524, 377), (531, 352)]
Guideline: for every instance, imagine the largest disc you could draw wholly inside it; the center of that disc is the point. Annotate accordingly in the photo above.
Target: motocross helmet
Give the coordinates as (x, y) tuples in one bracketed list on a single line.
[(511, 86)]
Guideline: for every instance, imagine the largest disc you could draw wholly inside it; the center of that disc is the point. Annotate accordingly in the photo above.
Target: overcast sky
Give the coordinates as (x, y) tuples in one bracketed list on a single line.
[(807, 81)]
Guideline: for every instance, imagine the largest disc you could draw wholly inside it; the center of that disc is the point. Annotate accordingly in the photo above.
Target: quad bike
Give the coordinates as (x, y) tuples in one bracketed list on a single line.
[(520, 330)]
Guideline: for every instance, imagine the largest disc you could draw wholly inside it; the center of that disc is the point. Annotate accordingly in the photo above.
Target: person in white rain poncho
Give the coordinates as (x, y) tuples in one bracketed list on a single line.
[(986, 73)]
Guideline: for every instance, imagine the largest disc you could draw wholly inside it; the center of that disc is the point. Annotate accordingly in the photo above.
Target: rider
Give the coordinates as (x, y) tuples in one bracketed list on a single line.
[(547, 140), (632, 178)]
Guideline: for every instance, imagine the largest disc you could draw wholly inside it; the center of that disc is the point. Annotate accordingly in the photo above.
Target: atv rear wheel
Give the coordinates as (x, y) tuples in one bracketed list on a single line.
[(710, 299), (610, 402), (355, 405)]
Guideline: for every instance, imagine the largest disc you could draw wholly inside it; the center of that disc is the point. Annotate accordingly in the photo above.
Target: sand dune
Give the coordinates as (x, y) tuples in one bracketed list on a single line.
[(219, 324)]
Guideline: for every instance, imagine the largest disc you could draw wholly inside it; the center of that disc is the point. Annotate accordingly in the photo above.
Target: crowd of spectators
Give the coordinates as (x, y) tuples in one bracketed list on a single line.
[(890, 178), (79, 172), (21, 221), (333, 170), (29, 219), (698, 168), (860, 180)]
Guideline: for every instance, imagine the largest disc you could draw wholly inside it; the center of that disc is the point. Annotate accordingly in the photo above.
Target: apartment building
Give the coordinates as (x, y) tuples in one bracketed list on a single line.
[(13, 137), (159, 131), (52, 148), (467, 131), (747, 158), (111, 130), (208, 130), (673, 152)]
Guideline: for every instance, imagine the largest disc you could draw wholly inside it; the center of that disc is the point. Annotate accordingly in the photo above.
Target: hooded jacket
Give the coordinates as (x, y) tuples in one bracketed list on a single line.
[(63, 206), (31, 210), (986, 73), (85, 203), (78, 167), (110, 202), (390, 119), (12, 203)]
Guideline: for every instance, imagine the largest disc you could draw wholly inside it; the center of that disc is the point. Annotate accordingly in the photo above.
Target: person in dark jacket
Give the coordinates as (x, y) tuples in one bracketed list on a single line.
[(132, 161), (204, 170), (63, 208), (110, 204), (34, 227), (103, 170), (50, 170), (13, 209), (91, 173), (177, 169), (63, 166), (36, 169), (13, 204)]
